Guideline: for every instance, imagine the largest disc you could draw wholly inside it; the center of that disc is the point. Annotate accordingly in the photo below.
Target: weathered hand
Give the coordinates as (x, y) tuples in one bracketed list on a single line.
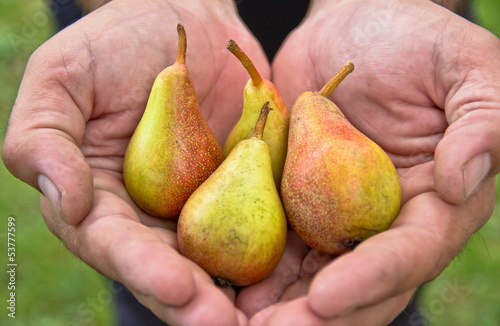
[(81, 98), (426, 89)]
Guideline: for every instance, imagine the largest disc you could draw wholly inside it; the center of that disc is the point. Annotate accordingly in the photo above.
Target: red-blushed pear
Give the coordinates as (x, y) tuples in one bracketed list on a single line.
[(234, 225), (172, 150), (338, 187), (257, 92)]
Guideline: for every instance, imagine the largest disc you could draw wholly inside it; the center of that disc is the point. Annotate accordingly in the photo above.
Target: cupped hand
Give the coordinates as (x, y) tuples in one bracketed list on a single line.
[(82, 95), (426, 88)]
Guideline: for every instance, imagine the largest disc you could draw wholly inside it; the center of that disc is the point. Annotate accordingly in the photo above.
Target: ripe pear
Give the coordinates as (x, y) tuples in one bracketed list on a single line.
[(257, 92), (172, 150), (339, 187), (234, 225)]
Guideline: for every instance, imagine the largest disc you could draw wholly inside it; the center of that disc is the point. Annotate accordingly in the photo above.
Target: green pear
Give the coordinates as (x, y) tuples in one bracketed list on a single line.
[(257, 92), (339, 187), (234, 225), (172, 150)]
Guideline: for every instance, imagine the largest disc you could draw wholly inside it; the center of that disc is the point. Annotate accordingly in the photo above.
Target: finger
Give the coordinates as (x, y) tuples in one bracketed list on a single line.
[(45, 128), (113, 241), (261, 317), (298, 313), (296, 290), (425, 237), (461, 166), (469, 151), (200, 310), (313, 262), (267, 292), (416, 180)]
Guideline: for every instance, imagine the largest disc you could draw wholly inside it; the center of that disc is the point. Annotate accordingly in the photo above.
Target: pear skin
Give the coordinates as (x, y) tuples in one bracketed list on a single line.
[(257, 92), (234, 225), (338, 187), (172, 150)]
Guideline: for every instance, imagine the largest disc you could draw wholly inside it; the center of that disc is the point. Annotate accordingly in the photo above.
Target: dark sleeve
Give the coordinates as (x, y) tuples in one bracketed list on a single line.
[(272, 21), (65, 12)]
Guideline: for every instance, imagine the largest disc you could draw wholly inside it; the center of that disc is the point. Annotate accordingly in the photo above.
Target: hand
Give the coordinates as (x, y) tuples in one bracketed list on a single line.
[(426, 88), (81, 98)]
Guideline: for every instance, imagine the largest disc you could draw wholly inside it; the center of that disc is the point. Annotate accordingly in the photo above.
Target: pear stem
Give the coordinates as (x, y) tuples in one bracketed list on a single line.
[(182, 44), (261, 122), (245, 60), (331, 85)]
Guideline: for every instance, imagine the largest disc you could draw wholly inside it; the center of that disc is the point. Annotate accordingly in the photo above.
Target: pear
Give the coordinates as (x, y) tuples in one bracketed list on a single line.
[(257, 92), (172, 150), (339, 187), (234, 225)]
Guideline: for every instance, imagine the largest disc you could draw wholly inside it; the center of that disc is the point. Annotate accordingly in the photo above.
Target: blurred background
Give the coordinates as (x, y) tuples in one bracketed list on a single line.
[(55, 288)]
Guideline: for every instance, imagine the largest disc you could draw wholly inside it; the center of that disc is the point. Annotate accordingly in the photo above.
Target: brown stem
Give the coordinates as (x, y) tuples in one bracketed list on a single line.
[(331, 86), (182, 44), (245, 60), (261, 122)]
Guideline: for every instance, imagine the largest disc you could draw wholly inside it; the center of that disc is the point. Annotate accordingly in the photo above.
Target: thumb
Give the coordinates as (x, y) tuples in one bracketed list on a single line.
[(41, 145), (469, 152)]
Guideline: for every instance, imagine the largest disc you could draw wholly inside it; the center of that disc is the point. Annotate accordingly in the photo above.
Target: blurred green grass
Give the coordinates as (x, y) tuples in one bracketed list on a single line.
[(55, 288), (487, 14)]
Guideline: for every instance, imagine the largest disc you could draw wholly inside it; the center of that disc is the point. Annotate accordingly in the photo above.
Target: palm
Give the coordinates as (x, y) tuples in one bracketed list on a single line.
[(387, 96), (122, 73), (102, 83)]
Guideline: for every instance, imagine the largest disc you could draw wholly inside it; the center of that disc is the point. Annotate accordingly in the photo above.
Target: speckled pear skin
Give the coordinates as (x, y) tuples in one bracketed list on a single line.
[(172, 150), (258, 91), (234, 225), (338, 186)]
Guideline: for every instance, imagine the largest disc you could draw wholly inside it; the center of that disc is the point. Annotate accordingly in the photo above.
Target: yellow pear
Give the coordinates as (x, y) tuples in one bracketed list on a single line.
[(234, 225), (172, 150), (257, 92), (339, 187)]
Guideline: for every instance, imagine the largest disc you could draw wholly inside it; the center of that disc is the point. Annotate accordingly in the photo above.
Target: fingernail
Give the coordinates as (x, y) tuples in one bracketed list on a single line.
[(50, 192), (474, 172)]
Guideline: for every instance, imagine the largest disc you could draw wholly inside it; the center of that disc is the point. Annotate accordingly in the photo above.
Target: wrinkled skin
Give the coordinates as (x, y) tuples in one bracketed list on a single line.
[(81, 98), (426, 89)]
